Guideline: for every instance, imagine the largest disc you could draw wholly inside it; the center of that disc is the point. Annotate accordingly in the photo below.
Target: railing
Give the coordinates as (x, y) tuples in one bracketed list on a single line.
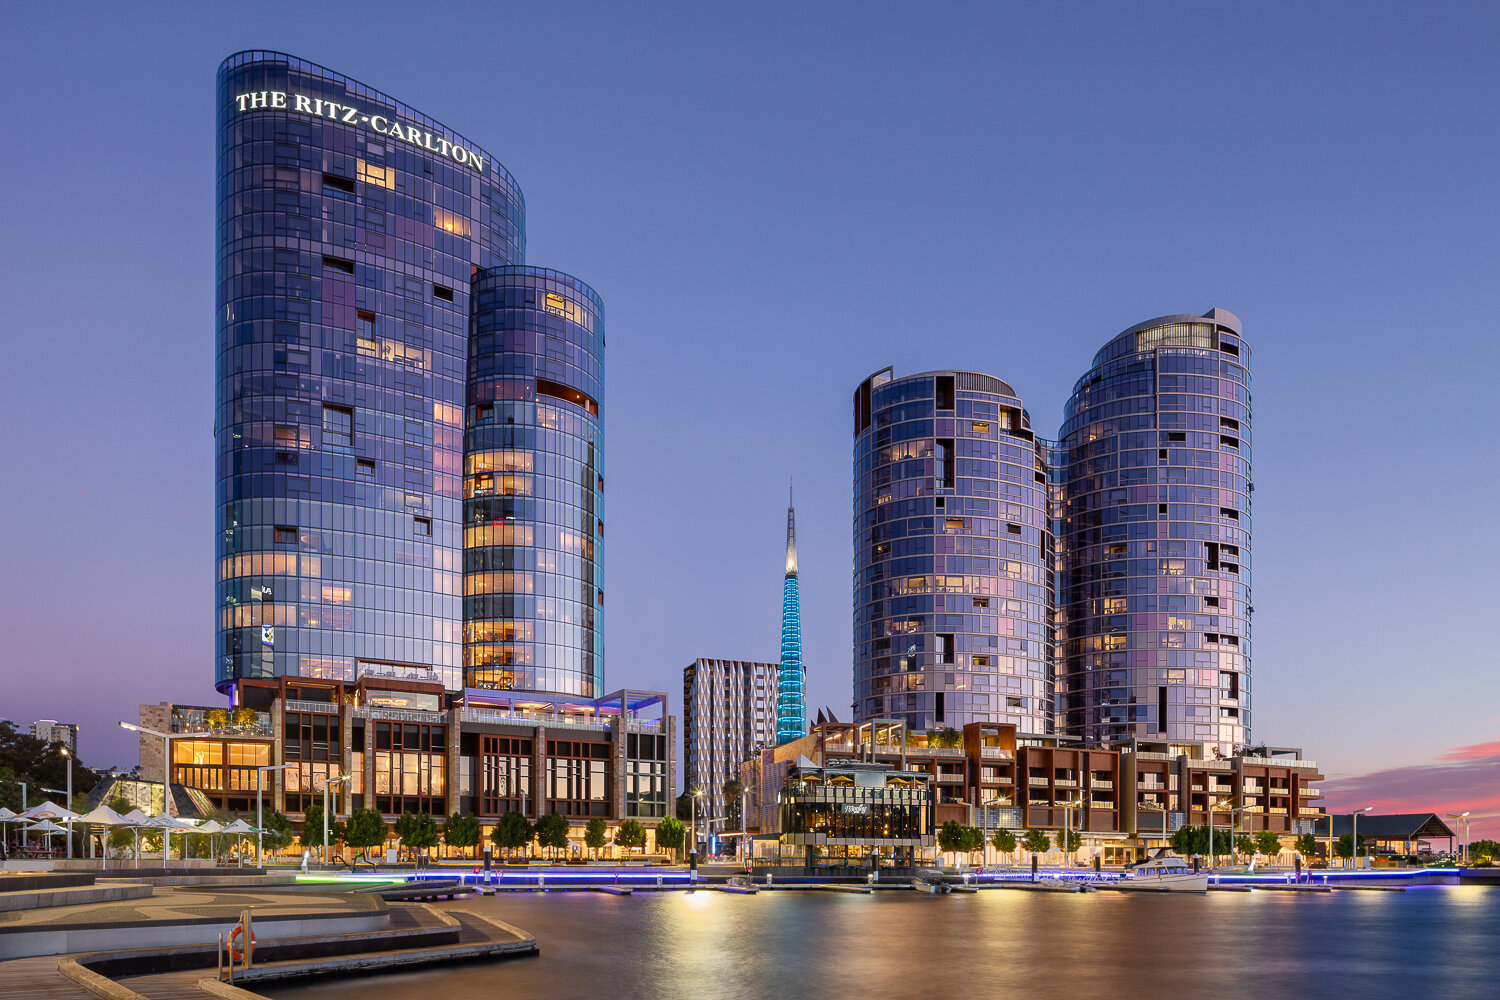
[(298, 705), (1066, 783), (1311, 793), (1148, 755), (400, 714), (995, 753), (950, 779), (1034, 780), (1101, 804), (651, 726), (1299, 763), (1102, 783), (196, 721), (552, 720)]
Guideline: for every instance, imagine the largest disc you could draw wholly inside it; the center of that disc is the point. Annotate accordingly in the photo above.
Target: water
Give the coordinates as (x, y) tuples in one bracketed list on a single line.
[(1435, 942)]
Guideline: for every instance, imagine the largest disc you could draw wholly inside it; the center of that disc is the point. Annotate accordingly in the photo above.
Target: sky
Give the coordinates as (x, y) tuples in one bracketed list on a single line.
[(774, 201)]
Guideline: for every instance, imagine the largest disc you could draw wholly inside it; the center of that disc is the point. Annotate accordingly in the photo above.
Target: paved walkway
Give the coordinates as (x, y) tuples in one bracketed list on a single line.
[(172, 904)]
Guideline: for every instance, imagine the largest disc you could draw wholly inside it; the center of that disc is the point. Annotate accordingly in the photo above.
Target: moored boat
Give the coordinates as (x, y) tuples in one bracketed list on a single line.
[(1163, 873)]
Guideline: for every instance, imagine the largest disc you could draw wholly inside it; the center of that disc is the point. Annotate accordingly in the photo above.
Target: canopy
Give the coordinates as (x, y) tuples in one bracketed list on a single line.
[(161, 821), (210, 826), (103, 816), (135, 818), (6, 815), (240, 826), (49, 810), (46, 826)]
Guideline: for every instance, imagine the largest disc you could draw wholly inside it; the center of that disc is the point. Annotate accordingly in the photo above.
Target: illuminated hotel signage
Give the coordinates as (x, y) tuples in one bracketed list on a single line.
[(348, 114)]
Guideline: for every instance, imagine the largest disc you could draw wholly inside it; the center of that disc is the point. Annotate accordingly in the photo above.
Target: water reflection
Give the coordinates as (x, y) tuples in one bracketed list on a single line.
[(1436, 942)]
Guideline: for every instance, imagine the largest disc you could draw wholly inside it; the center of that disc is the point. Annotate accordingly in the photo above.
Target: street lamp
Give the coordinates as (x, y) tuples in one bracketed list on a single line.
[(1463, 835), (326, 784), (68, 756), (260, 779), (1068, 824), (1354, 833), (166, 760), (697, 794)]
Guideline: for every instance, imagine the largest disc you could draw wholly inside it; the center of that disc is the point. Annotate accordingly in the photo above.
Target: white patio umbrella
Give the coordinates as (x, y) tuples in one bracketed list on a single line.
[(136, 820), (49, 828), (101, 816), (167, 825), (49, 811), (241, 829)]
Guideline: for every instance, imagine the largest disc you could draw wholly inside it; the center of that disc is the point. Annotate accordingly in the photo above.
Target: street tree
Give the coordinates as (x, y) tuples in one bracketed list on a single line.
[(1004, 841), (511, 832), (552, 832), (1244, 843), (365, 829), (950, 836), (1267, 843), (630, 835), (461, 831), (1069, 841), (418, 832), (276, 832), (1306, 845), (1036, 841), (670, 834), (596, 834)]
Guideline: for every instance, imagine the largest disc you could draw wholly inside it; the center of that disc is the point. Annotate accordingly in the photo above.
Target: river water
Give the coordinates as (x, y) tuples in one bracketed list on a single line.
[(1434, 942)]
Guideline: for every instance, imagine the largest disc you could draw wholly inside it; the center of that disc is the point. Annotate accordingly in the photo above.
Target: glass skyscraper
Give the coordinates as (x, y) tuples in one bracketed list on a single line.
[(353, 231), (1153, 478), (952, 554), (534, 485)]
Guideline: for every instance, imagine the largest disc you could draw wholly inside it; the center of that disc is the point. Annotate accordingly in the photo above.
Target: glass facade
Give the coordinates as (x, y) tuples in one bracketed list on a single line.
[(1153, 529), (791, 681), (952, 555), (533, 582), (349, 226)]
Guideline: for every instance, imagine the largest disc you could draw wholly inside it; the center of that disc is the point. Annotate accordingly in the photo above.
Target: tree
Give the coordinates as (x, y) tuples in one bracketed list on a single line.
[(630, 834), (120, 838), (948, 738), (1036, 841), (732, 791), (365, 829), (1069, 841), (312, 827), (1344, 846), (973, 840), (950, 836), (1004, 841), (417, 831), (511, 832), (1267, 843), (276, 832), (461, 831), (596, 834), (670, 833), (552, 831), (1244, 843), (1484, 849), (1306, 845)]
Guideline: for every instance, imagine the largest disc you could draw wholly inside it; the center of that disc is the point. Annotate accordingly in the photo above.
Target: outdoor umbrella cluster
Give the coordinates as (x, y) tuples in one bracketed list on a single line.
[(44, 819)]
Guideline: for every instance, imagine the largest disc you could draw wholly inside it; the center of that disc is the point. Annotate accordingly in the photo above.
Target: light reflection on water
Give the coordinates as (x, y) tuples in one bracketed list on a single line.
[(1430, 943)]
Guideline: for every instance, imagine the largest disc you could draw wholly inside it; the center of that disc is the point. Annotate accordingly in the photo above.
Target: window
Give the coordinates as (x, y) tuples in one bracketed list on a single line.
[(1162, 454), (337, 186), (1229, 442), (1176, 436), (1210, 602), (981, 661), (364, 333), (442, 292), (980, 428), (944, 648), (338, 425), (365, 467), (421, 526), (286, 458), (945, 392), (944, 469), (1161, 508), (981, 602), (483, 411), (286, 535), (285, 433), (953, 524), (1230, 513), (338, 264), (1014, 529), (1012, 701), (1230, 423)]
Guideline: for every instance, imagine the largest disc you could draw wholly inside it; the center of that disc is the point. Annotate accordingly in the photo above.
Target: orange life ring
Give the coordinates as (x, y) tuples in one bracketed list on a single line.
[(235, 953)]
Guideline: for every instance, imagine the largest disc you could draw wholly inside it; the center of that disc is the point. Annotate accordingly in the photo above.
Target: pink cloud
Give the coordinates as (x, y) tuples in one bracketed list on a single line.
[(1463, 779)]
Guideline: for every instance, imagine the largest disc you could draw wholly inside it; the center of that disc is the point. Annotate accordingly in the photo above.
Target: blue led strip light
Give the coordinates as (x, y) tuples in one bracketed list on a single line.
[(791, 702)]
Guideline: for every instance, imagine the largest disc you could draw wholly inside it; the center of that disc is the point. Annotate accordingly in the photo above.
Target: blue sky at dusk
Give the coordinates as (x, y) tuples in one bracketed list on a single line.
[(775, 200)]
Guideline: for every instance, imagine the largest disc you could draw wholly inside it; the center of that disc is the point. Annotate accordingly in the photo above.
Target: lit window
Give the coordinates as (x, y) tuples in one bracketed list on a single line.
[(338, 425)]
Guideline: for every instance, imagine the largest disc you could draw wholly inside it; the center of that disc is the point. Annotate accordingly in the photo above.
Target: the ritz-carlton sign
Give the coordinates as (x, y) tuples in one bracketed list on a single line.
[(275, 100)]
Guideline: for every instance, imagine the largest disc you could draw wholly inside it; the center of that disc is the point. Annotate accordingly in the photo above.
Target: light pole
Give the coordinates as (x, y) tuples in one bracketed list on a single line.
[(697, 794), (166, 761), (260, 780), (1463, 835), (68, 756), (1068, 826), (326, 784), (1354, 833)]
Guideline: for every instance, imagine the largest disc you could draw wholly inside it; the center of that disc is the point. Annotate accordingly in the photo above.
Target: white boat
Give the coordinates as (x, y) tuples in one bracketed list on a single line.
[(931, 885), (1163, 873)]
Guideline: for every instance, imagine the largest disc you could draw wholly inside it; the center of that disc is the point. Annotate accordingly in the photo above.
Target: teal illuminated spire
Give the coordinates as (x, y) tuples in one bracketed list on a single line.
[(791, 699)]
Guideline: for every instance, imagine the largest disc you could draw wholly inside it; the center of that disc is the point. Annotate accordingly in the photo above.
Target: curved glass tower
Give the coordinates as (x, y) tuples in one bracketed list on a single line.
[(349, 225), (791, 684), (952, 554), (533, 581), (1154, 537)]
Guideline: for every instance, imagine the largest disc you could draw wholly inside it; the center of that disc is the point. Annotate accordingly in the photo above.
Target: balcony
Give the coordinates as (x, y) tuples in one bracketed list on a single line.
[(1037, 781), (1066, 783), (1101, 783), (400, 715), (950, 779), (222, 722), (1311, 793), (320, 707), (994, 753)]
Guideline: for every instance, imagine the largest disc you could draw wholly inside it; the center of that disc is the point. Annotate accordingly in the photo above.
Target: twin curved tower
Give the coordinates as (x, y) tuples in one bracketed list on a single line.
[(1097, 586)]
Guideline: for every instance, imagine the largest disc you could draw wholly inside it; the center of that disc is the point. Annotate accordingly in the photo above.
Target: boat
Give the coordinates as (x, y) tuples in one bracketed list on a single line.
[(1162, 873), (931, 885)]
